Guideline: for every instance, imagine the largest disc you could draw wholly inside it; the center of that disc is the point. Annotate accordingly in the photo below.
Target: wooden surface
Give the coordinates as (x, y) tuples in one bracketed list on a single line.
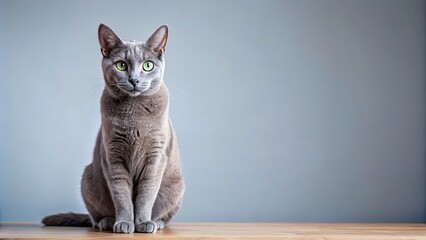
[(178, 231)]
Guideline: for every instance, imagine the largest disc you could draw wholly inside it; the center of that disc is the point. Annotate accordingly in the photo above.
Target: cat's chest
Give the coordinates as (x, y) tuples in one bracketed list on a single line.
[(131, 125), (125, 115), (133, 131), (135, 143), (134, 126)]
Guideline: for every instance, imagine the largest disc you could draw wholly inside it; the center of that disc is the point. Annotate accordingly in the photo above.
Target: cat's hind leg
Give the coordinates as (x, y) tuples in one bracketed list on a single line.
[(97, 200), (106, 223), (165, 207), (160, 224)]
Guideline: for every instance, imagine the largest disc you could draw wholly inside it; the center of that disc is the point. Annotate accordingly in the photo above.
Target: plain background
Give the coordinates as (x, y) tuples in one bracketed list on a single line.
[(284, 110)]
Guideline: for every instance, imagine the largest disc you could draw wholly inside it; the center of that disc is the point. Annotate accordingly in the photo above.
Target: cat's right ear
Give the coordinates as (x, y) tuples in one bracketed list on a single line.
[(107, 39)]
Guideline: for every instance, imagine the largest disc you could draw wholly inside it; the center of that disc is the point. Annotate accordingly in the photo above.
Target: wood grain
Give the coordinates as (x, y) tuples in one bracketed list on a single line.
[(239, 231)]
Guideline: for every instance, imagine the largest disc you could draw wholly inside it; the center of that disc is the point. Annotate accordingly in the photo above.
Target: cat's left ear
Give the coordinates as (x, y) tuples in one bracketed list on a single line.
[(107, 39), (158, 40)]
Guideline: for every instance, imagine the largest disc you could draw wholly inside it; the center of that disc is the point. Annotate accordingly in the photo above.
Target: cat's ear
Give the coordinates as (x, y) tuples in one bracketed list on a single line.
[(158, 40), (107, 39)]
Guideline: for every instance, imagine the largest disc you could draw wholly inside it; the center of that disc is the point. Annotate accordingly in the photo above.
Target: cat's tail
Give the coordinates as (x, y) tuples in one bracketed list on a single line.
[(68, 219)]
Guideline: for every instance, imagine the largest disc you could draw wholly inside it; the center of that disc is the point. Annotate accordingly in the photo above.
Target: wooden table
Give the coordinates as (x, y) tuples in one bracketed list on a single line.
[(240, 231)]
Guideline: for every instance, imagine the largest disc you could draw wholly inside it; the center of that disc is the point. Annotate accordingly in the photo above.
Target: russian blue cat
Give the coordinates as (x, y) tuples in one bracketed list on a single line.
[(134, 182)]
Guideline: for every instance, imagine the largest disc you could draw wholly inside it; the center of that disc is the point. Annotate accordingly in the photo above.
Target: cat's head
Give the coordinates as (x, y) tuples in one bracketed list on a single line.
[(133, 68)]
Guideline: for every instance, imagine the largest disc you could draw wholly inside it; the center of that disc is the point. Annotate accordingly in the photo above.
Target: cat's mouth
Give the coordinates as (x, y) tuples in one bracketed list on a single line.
[(134, 90), (134, 93)]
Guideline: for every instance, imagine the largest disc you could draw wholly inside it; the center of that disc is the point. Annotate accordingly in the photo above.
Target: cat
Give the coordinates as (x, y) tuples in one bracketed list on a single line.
[(135, 181)]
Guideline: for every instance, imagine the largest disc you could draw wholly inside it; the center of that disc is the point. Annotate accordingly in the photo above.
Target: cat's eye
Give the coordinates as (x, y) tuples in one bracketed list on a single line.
[(148, 66), (121, 65)]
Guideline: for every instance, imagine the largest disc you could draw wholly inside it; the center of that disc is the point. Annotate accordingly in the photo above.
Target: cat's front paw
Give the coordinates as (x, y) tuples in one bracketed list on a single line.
[(106, 223), (124, 227), (146, 227)]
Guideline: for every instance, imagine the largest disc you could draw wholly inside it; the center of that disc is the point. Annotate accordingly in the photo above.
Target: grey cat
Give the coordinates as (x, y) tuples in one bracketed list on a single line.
[(135, 181)]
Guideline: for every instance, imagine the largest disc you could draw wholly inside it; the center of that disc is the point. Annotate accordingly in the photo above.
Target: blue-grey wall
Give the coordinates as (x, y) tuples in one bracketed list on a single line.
[(285, 110)]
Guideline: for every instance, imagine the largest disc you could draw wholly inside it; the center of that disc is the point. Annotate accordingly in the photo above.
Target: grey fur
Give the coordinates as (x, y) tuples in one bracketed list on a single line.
[(134, 182)]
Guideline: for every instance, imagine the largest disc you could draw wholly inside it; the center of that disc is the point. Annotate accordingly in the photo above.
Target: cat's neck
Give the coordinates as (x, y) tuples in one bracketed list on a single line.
[(122, 103)]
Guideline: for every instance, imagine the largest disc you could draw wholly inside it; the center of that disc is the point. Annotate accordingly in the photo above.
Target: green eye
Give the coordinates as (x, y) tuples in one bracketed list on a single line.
[(148, 66), (121, 65)]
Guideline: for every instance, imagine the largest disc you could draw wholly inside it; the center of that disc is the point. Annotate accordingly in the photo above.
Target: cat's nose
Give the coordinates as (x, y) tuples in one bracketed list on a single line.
[(134, 82)]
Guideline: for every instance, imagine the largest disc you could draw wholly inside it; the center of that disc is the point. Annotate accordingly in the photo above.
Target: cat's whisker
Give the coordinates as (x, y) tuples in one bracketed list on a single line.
[(98, 86), (95, 93), (97, 78)]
